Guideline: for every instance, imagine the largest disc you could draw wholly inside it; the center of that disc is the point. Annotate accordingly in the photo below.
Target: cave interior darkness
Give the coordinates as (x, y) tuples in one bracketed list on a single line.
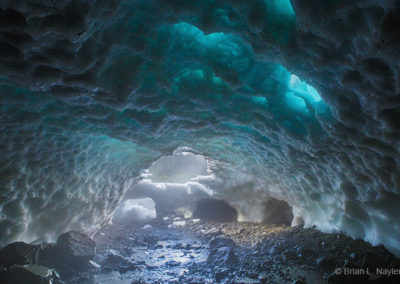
[(272, 112)]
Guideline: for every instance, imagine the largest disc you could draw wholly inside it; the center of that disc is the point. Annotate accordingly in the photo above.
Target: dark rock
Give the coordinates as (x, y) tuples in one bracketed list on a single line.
[(215, 210), (372, 261), (70, 255), (114, 260), (124, 269), (32, 274), (76, 245), (326, 263), (17, 253), (223, 255), (220, 242)]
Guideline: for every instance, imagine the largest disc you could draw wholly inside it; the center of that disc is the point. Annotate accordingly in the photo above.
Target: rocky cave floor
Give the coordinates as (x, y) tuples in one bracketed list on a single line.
[(185, 250), (179, 250)]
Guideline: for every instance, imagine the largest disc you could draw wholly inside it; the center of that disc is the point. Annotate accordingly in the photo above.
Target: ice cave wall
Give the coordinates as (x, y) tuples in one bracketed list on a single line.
[(94, 91)]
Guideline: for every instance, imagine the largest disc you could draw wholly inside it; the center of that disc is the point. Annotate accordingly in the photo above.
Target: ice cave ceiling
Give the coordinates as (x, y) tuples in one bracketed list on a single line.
[(294, 99)]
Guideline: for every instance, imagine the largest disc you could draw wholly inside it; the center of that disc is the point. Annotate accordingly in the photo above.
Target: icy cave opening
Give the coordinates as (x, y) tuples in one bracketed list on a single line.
[(133, 210), (288, 110)]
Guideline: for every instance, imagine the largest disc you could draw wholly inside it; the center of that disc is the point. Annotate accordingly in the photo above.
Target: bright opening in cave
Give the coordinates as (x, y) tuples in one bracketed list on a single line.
[(199, 141), (131, 210)]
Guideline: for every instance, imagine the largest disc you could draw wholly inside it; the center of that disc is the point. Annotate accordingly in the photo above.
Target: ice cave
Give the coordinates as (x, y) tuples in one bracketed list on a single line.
[(199, 141)]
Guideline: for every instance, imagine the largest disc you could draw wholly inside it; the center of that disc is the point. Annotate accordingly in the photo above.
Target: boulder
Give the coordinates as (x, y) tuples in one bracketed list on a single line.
[(17, 253), (212, 209), (76, 245), (69, 255)]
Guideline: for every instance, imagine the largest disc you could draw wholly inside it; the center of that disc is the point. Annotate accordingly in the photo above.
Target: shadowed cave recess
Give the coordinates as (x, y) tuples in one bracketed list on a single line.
[(178, 101)]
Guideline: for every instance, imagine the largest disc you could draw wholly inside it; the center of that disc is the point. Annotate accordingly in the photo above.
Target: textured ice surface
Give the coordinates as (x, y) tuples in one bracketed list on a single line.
[(298, 100)]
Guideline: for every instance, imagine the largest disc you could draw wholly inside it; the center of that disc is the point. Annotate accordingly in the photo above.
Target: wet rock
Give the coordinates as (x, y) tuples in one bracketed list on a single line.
[(220, 242), (32, 274), (223, 255), (215, 210), (17, 253)]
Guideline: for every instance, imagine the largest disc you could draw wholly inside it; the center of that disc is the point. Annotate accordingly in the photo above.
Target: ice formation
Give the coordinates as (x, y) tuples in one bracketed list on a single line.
[(296, 100)]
